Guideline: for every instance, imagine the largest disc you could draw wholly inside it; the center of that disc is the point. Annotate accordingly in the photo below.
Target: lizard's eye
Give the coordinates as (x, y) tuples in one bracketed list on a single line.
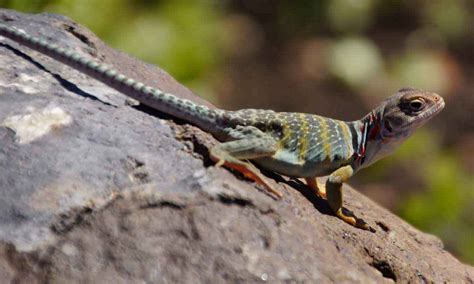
[(417, 105)]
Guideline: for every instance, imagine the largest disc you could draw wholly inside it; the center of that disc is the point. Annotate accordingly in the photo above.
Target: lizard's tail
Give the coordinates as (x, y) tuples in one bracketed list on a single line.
[(201, 115)]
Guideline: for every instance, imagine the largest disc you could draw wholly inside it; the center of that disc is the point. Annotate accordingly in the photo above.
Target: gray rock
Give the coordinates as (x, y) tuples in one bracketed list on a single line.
[(95, 190)]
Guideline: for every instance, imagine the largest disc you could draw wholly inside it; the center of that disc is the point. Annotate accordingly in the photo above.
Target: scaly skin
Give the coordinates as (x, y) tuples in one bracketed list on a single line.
[(293, 144)]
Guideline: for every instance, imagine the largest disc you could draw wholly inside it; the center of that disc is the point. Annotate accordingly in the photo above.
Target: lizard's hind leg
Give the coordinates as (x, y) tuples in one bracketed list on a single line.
[(230, 154), (318, 188)]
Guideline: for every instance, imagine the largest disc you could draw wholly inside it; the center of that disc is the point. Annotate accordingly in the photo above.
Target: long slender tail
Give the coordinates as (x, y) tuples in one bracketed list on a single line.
[(200, 115)]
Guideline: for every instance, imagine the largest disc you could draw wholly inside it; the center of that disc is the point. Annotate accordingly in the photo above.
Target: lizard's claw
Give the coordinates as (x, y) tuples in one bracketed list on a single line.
[(356, 222)]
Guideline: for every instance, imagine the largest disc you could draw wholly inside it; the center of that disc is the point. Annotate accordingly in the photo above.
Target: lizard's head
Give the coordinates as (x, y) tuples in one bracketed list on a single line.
[(396, 119), (407, 110)]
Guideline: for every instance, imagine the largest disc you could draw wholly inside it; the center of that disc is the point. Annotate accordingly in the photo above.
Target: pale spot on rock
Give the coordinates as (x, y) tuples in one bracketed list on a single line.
[(24, 88), (69, 249), (29, 127)]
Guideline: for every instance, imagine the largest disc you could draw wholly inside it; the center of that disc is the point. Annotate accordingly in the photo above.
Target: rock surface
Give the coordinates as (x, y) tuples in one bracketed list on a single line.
[(95, 190)]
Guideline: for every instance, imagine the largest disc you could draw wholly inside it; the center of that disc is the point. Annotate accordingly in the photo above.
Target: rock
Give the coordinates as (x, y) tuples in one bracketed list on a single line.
[(95, 190)]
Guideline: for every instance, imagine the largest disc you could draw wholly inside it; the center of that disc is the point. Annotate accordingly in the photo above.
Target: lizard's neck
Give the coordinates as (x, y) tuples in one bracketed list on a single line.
[(369, 139), (374, 140)]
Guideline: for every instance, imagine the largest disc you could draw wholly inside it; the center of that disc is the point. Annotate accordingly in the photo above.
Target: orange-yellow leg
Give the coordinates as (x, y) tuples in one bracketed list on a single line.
[(231, 154), (318, 188), (334, 196), (251, 172)]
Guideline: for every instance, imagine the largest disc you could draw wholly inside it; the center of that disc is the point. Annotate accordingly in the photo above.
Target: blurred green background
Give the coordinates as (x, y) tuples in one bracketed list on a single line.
[(335, 58)]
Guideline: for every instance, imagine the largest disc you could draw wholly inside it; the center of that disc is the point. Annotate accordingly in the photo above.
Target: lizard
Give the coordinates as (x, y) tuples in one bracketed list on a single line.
[(298, 145)]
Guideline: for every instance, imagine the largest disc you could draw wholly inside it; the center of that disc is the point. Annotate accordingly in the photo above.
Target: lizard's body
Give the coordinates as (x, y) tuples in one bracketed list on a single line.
[(293, 144)]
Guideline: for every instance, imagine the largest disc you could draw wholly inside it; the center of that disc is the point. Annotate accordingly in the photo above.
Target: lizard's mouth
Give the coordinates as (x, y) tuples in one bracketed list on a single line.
[(434, 110), (429, 113)]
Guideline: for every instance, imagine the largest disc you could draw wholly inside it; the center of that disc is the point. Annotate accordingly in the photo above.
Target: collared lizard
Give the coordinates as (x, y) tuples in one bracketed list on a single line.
[(298, 145)]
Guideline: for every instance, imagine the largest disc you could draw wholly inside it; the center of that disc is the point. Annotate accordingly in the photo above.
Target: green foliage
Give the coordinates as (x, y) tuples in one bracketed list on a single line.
[(423, 69), (24, 5), (350, 16), (447, 17), (355, 61), (303, 15)]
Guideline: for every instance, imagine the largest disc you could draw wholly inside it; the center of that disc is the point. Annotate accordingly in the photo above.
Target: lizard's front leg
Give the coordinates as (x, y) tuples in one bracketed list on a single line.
[(334, 196), (231, 154)]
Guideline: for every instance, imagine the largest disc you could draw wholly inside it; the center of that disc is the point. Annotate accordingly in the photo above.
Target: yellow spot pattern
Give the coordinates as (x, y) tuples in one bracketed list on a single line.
[(287, 133), (325, 137), (303, 143), (347, 139)]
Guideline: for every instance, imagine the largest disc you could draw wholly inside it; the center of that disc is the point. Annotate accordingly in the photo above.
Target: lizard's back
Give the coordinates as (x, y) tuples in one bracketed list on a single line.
[(308, 144)]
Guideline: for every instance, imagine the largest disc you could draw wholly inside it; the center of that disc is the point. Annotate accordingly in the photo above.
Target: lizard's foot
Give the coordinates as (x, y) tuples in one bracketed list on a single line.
[(354, 221), (334, 197), (318, 188)]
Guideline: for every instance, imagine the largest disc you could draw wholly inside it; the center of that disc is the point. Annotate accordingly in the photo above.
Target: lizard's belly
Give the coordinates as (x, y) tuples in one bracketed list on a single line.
[(288, 164)]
